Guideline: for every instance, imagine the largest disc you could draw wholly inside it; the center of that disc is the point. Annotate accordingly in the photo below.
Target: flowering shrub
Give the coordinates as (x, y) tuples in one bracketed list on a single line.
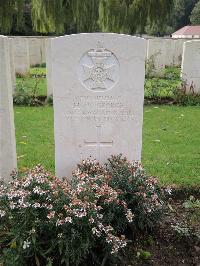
[(48, 221), (141, 193), (138, 193)]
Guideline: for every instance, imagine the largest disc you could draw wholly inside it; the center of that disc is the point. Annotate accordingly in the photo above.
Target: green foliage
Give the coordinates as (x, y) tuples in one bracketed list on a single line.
[(46, 220), (182, 11), (195, 15), (141, 193), (59, 16), (143, 254), (50, 100), (128, 16), (85, 15), (157, 88), (32, 83), (11, 12), (179, 17), (182, 230), (192, 203), (186, 98), (51, 15), (169, 88), (27, 95)]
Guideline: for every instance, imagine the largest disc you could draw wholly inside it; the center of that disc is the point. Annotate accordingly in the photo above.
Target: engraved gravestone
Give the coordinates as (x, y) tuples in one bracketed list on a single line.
[(98, 89), (8, 160), (190, 70)]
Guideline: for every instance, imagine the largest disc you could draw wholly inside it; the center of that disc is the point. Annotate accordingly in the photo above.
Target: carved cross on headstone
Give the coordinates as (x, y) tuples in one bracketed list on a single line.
[(98, 143)]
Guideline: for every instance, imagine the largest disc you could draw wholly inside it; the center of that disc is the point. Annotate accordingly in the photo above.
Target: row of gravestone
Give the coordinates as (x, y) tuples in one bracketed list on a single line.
[(24, 53), (170, 52), (161, 52), (27, 51), (98, 92)]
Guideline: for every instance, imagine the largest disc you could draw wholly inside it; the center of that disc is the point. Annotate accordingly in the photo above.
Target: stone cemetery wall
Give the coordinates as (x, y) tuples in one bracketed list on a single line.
[(190, 70), (8, 158), (98, 87), (21, 55)]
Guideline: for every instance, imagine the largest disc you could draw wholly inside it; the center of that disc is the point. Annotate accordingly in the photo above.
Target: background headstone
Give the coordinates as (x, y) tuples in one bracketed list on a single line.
[(156, 56), (178, 52), (43, 49), (190, 70), (98, 88), (8, 158), (21, 55), (49, 67), (35, 51), (12, 65), (169, 50)]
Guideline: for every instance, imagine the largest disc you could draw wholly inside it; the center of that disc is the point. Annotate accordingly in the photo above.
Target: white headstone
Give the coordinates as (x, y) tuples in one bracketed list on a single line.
[(12, 65), (43, 49), (21, 55), (35, 51), (49, 67), (190, 70), (8, 161), (169, 50), (98, 83), (178, 52), (156, 56)]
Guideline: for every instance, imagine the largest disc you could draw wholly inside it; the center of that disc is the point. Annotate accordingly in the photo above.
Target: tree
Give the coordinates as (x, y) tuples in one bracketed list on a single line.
[(195, 15), (11, 11), (132, 15), (180, 17), (59, 16)]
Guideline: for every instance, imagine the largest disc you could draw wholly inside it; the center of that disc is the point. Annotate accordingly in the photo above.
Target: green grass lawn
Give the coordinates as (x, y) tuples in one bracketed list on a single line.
[(171, 141), (30, 81)]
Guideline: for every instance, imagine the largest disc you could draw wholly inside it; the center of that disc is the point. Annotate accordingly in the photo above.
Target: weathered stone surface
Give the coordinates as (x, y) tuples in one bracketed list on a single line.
[(12, 65), (190, 70), (156, 56), (48, 67), (98, 87), (21, 55), (43, 49), (169, 50), (35, 51), (8, 159)]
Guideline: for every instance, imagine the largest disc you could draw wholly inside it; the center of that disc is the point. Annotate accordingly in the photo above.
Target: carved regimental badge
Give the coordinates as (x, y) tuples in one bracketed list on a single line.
[(99, 69)]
